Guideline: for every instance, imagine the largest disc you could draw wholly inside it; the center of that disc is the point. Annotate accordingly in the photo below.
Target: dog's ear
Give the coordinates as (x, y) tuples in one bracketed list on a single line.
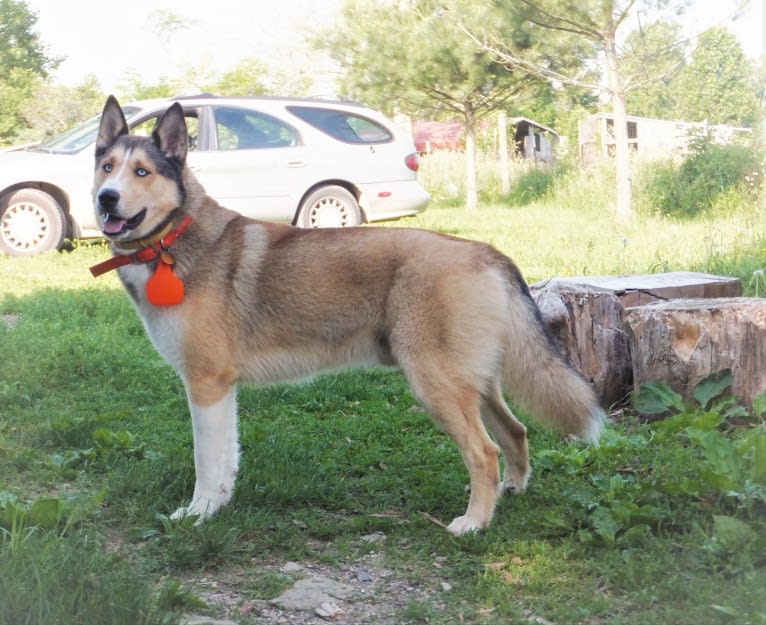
[(112, 127), (170, 134)]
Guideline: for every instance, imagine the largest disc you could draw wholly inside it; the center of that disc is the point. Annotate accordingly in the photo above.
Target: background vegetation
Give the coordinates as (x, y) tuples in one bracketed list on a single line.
[(663, 523)]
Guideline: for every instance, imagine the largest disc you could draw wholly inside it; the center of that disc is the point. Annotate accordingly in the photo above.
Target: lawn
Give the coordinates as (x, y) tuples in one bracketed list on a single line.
[(663, 523)]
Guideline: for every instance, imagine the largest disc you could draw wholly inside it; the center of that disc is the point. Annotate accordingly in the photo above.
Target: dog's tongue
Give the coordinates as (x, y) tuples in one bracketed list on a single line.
[(113, 225)]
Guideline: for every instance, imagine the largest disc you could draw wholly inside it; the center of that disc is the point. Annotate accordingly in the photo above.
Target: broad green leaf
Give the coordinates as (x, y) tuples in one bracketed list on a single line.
[(732, 533), (605, 525), (657, 397), (712, 386), (46, 512)]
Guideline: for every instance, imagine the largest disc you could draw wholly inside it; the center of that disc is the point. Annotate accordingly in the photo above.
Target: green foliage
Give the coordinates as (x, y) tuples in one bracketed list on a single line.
[(54, 109), (531, 186), (718, 83), (651, 58), (108, 446), (24, 63), (434, 69), (708, 459), (712, 176), (246, 79), (663, 523), (47, 577)]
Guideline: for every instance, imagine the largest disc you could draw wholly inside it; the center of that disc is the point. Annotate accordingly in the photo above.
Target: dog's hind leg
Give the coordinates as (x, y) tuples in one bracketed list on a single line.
[(456, 410), (216, 454), (511, 436)]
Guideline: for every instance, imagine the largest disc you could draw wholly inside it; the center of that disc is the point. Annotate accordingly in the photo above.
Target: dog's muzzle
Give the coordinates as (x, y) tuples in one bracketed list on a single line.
[(113, 225)]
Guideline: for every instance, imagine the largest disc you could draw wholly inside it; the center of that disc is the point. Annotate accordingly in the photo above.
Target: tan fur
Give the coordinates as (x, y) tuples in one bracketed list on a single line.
[(268, 302)]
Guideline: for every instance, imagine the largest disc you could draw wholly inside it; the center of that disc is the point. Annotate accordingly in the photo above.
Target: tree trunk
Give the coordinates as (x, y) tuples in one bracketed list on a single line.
[(683, 341), (471, 182), (502, 148), (624, 208), (587, 325), (586, 317)]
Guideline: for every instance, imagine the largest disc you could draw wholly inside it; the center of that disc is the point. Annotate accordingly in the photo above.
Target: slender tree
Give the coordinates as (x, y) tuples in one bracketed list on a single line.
[(412, 57), (601, 23)]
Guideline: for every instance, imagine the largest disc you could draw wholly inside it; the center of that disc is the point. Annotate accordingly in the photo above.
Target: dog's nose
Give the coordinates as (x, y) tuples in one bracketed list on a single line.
[(108, 199)]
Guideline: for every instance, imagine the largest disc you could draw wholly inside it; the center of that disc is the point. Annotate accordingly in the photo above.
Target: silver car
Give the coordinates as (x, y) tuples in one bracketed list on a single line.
[(313, 163)]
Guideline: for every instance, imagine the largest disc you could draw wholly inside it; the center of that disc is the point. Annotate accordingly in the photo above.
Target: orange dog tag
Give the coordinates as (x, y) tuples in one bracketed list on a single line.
[(164, 288)]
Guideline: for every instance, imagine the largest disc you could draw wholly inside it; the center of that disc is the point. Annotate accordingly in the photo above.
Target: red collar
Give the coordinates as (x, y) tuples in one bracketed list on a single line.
[(151, 251)]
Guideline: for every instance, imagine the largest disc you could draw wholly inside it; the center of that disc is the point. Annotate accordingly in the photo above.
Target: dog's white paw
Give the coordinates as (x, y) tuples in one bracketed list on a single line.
[(202, 508), (465, 525)]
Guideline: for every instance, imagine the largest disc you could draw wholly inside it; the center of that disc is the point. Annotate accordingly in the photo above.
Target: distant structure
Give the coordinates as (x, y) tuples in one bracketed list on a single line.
[(531, 140), (650, 138), (534, 141)]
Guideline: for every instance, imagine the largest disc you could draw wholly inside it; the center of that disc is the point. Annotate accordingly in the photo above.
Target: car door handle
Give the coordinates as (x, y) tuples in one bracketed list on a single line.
[(296, 163)]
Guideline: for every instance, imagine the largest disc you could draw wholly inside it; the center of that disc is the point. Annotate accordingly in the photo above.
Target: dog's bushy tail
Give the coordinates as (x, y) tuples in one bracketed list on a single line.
[(541, 381)]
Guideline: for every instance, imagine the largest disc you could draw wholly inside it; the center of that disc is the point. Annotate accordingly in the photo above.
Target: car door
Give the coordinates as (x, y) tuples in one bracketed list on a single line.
[(252, 162)]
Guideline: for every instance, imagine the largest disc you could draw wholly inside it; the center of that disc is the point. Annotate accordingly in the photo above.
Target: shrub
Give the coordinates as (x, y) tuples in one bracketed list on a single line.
[(711, 176), (531, 186)]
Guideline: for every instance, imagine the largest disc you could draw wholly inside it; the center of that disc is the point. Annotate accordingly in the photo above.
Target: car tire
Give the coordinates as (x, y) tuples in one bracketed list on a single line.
[(329, 207), (31, 222)]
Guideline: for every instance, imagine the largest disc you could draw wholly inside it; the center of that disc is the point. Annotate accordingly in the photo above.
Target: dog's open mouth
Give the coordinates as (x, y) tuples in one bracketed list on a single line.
[(114, 225)]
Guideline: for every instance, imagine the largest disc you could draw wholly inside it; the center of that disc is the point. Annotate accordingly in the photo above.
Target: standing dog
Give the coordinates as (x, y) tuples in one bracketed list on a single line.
[(226, 299)]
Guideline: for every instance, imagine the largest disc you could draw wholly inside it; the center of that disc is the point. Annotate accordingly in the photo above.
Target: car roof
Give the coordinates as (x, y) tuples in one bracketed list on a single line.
[(207, 98)]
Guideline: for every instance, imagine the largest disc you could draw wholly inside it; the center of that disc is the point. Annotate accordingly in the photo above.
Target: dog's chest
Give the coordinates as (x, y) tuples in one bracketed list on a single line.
[(163, 324)]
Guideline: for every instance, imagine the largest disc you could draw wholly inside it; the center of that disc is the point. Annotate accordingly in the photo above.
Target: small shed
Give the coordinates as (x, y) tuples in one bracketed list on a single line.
[(533, 140)]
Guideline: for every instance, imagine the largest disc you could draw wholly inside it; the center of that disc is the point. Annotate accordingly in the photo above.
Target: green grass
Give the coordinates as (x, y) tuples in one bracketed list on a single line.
[(663, 523)]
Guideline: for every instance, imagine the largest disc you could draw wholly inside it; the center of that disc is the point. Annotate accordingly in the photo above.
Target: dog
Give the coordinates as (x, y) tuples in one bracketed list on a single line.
[(227, 300)]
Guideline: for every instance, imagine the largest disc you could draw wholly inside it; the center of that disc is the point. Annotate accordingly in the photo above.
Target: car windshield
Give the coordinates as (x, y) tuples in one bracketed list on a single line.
[(75, 139)]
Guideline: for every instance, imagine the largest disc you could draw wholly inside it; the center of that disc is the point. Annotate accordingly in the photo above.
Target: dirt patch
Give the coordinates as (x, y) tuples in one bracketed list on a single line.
[(363, 591)]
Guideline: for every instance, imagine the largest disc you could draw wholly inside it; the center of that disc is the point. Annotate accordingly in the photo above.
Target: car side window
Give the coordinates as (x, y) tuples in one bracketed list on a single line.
[(145, 128), (343, 125), (242, 129)]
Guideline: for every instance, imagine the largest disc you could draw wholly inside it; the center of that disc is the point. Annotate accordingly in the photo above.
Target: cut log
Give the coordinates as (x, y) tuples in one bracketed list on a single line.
[(587, 326), (681, 342), (645, 289), (586, 319)]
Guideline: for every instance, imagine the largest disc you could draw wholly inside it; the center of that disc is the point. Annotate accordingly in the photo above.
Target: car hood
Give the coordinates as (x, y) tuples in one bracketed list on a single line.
[(34, 163)]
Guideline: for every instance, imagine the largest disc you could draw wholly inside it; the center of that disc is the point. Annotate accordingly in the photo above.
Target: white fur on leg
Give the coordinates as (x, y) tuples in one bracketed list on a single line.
[(465, 524), (216, 456)]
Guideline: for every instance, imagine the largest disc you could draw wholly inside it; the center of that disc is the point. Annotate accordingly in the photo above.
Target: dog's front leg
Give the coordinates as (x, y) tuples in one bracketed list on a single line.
[(216, 454)]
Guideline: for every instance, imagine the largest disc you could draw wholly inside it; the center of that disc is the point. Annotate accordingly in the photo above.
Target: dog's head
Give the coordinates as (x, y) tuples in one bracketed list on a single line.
[(138, 184)]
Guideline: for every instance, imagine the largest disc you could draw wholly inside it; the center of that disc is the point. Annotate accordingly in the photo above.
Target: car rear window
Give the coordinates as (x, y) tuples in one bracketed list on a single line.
[(343, 125), (245, 129)]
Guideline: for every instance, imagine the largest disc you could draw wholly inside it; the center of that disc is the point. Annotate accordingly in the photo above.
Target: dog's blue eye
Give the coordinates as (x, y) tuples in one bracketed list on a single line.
[(141, 172), (108, 167)]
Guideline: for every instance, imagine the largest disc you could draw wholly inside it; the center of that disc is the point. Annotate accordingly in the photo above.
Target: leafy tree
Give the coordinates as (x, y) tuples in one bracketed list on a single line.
[(24, 63), (54, 109), (245, 79), (133, 87), (651, 59), (599, 22), (719, 83), (413, 57)]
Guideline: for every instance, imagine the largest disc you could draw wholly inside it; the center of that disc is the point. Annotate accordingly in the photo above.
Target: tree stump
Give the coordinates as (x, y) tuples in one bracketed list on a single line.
[(683, 341), (586, 316), (587, 325)]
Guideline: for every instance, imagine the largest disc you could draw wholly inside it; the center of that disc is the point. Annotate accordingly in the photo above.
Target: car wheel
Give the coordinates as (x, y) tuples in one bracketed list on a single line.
[(329, 207), (31, 222)]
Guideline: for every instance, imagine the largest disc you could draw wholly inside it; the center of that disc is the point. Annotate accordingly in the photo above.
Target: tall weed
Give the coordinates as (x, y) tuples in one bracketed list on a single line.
[(715, 177)]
